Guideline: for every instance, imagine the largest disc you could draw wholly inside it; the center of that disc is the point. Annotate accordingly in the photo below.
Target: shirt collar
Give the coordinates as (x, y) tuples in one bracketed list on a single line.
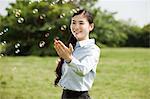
[(85, 42)]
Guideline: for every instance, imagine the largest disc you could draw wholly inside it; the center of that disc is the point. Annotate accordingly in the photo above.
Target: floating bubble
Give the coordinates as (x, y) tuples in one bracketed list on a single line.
[(16, 10), (17, 45), (1, 33), (20, 20), (52, 4), (63, 15), (63, 27), (35, 11), (65, 1), (49, 28), (1, 55), (17, 51), (71, 12), (47, 35), (6, 30), (19, 10), (74, 10), (3, 43), (17, 14), (42, 44), (31, 1), (42, 16), (78, 9)]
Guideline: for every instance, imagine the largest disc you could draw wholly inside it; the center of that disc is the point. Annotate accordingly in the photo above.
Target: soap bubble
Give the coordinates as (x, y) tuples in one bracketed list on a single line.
[(6, 30), (65, 1), (30, 2), (1, 33), (35, 11), (63, 27), (42, 44), (17, 51), (74, 10), (78, 9), (62, 15), (52, 4), (17, 45), (49, 28), (47, 35), (42, 16), (71, 12), (1, 55), (17, 12), (20, 20), (3, 43)]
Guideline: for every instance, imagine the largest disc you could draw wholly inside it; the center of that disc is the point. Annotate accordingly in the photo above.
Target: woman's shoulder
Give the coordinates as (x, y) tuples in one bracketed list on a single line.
[(95, 47)]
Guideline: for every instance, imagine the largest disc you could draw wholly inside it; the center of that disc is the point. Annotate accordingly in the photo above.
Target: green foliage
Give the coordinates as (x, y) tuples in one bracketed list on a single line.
[(145, 37), (29, 24), (32, 23), (108, 30)]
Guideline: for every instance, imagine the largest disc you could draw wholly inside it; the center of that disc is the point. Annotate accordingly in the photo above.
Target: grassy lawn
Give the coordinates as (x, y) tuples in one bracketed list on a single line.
[(122, 73)]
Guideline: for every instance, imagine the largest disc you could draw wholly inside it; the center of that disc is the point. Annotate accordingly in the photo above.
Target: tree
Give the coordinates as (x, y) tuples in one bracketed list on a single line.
[(32, 26), (145, 37), (108, 30)]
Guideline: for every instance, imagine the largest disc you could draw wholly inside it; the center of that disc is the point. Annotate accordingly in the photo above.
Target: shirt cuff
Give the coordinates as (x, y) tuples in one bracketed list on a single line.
[(67, 61)]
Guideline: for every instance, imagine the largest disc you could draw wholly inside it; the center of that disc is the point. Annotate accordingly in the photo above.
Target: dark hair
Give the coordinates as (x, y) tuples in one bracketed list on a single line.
[(87, 14), (73, 41)]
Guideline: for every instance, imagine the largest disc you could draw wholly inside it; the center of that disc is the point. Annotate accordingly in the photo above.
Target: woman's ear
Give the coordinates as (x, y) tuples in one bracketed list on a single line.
[(91, 27)]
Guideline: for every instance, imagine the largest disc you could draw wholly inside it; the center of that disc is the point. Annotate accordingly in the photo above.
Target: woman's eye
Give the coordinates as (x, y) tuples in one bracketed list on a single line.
[(81, 23), (73, 23)]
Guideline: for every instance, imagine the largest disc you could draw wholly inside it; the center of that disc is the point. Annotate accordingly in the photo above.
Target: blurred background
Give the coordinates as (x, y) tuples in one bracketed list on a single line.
[(27, 31), (31, 26)]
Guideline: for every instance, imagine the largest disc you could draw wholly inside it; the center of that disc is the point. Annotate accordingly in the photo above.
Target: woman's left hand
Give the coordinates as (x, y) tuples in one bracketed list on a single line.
[(63, 51)]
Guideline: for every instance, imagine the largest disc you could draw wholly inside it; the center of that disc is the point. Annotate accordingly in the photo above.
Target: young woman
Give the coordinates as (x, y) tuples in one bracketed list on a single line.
[(77, 69)]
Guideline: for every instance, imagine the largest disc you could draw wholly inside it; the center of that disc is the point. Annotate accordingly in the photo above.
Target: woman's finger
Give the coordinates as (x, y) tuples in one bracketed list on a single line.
[(71, 47), (57, 50), (62, 49), (62, 44)]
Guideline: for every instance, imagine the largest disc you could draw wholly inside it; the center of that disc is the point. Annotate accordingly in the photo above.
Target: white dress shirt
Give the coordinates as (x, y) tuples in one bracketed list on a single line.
[(79, 74)]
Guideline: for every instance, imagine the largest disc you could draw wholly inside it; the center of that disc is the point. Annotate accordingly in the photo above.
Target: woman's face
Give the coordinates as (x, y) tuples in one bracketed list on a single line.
[(80, 27)]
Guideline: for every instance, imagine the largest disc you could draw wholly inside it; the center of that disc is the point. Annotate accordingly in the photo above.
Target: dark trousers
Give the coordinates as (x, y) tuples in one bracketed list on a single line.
[(69, 94)]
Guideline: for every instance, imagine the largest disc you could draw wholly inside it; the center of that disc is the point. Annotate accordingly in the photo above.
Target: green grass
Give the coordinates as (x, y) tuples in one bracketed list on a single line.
[(122, 73)]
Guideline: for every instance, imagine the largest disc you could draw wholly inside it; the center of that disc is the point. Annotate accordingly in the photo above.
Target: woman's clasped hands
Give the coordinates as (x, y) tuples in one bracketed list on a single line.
[(63, 51)]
